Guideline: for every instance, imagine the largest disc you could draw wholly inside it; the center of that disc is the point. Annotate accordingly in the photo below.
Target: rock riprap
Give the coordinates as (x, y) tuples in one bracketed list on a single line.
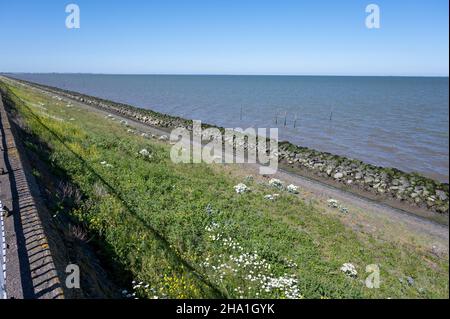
[(412, 188)]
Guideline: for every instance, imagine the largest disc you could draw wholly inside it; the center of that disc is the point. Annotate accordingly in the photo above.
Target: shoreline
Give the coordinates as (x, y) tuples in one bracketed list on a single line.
[(388, 140), (397, 188), (73, 142)]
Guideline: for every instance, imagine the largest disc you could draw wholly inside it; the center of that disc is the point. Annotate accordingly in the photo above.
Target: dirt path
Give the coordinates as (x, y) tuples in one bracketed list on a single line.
[(366, 206), (365, 215)]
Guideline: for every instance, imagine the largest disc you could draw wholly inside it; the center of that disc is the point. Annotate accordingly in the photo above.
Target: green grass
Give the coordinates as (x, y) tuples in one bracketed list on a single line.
[(152, 216)]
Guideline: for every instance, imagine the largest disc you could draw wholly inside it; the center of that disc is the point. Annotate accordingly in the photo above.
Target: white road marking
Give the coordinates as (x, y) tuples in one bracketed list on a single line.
[(2, 255)]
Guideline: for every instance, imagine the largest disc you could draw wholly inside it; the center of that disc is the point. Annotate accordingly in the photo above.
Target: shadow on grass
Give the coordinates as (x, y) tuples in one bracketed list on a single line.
[(173, 256)]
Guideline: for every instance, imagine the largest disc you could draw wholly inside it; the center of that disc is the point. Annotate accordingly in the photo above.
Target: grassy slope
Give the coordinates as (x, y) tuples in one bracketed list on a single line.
[(153, 216)]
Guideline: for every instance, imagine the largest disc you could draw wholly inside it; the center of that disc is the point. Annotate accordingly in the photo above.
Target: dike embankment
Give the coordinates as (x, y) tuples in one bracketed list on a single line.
[(407, 191)]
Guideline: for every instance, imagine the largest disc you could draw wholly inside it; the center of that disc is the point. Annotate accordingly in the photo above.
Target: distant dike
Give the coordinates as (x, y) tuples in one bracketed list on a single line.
[(410, 192)]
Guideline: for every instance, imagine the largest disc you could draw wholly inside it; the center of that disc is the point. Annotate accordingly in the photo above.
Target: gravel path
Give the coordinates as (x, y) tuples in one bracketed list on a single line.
[(418, 223)]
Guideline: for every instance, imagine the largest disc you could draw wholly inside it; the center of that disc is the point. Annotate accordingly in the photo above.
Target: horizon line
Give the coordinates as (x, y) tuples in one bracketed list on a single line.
[(230, 74)]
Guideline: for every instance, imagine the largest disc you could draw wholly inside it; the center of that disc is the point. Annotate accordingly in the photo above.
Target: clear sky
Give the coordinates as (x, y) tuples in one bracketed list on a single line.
[(226, 37)]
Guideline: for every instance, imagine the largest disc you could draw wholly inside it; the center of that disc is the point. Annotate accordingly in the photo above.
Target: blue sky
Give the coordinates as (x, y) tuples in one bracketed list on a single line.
[(226, 37)]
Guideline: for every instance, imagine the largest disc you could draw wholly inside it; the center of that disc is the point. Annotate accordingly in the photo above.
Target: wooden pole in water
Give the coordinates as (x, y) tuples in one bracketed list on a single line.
[(331, 115), (285, 113), (276, 117), (295, 119)]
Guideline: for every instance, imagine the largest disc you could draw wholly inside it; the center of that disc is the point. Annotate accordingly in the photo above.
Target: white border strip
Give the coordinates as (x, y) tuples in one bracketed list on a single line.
[(3, 254)]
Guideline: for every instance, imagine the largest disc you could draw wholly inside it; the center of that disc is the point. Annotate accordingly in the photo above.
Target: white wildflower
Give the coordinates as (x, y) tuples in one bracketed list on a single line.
[(333, 203), (271, 196), (144, 152), (292, 189), (241, 188), (349, 269), (276, 183)]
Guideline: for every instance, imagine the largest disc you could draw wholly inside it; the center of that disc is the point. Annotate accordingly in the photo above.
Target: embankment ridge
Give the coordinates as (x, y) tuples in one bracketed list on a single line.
[(408, 189)]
